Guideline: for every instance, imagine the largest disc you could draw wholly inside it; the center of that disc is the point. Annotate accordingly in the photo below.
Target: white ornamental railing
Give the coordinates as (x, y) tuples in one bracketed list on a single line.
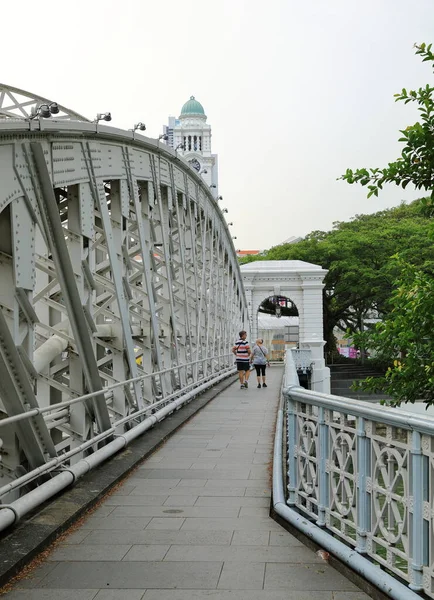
[(302, 360), (364, 475)]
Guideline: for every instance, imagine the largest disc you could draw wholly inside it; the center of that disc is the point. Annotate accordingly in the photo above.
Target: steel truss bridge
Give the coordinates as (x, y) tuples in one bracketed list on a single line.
[(120, 293)]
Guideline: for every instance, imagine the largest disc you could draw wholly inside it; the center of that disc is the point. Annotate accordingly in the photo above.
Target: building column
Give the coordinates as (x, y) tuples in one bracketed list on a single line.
[(250, 324), (311, 333)]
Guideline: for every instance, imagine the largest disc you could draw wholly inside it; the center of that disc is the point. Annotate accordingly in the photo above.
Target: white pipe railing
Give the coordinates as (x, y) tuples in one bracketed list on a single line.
[(106, 390), (13, 512), (54, 463), (359, 484)]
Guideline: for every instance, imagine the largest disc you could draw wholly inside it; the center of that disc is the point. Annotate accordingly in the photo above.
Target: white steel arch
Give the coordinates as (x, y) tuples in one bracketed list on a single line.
[(115, 264), (20, 104)]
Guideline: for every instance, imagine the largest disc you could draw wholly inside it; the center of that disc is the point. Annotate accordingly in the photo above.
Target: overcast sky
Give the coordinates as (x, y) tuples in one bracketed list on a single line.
[(295, 91)]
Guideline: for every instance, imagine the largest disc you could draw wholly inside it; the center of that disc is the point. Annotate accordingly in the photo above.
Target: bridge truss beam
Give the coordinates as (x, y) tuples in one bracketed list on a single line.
[(116, 264)]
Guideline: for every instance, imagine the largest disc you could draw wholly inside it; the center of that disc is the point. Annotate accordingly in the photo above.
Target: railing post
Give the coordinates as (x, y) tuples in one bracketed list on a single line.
[(291, 424), (417, 534), (363, 498), (323, 491)]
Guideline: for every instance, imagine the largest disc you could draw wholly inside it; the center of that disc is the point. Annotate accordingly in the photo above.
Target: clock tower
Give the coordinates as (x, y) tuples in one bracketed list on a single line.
[(191, 135)]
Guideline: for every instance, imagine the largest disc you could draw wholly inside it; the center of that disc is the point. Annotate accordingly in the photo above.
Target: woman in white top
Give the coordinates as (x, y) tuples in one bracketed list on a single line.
[(258, 357)]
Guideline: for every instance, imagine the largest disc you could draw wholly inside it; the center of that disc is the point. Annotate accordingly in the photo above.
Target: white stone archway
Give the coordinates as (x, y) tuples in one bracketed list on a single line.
[(302, 282)]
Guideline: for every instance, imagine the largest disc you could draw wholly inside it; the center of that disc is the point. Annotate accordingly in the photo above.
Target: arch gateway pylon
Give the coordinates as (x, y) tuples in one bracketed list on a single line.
[(302, 282)]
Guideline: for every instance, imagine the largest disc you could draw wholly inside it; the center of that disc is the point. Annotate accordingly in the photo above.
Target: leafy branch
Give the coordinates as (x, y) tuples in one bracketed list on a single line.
[(416, 164)]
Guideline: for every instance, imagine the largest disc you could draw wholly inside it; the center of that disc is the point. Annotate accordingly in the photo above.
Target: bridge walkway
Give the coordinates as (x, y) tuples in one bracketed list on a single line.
[(192, 522)]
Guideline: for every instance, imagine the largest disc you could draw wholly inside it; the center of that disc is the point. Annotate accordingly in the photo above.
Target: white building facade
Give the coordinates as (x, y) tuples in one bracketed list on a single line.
[(190, 135), (302, 283)]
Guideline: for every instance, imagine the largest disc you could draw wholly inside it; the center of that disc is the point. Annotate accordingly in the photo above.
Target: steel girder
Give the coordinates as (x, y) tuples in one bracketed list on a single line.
[(20, 104), (115, 263)]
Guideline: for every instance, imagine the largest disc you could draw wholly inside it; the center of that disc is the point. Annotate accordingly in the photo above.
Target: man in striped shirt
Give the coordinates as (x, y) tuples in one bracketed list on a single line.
[(241, 349)]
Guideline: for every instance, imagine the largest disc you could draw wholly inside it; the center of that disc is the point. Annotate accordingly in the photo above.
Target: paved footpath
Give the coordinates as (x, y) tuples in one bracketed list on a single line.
[(192, 522)]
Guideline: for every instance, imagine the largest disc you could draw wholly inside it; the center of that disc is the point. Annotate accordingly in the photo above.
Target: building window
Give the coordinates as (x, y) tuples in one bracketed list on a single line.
[(189, 142), (195, 142), (185, 143), (200, 142)]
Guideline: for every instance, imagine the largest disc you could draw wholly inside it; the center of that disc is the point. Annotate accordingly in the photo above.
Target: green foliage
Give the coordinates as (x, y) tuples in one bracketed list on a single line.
[(405, 339), (358, 255), (244, 260), (416, 163)]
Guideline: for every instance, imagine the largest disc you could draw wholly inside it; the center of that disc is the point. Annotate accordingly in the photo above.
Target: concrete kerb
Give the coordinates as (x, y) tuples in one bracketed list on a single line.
[(38, 530)]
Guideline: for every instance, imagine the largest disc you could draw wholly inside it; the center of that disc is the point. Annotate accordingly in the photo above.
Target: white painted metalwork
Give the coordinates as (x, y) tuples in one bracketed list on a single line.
[(303, 359), (19, 104), (120, 290), (364, 474), (71, 472)]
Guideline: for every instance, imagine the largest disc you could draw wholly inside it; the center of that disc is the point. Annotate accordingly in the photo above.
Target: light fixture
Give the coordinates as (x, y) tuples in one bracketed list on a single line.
[(163, 136), (204, 172), (141, 126), (220, 198), (235, 237), (45, 110), (181, 145), (103, 117), (230, 224), (213, 185), (225, 210)]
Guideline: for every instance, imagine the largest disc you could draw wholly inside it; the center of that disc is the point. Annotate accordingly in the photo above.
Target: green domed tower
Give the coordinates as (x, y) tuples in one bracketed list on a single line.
[(192, 107), (190, 136)]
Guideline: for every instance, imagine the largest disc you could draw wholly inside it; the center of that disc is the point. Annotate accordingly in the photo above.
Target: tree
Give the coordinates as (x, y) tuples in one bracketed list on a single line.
[(416, 163), (405, 338), (357, 255)]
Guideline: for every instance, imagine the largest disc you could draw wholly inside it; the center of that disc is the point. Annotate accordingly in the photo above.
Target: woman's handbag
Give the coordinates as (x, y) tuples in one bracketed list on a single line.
[(265, 356)]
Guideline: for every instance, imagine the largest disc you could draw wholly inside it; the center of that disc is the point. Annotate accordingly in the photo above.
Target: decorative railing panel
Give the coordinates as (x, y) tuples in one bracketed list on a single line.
[(365, 474), (302, 359)]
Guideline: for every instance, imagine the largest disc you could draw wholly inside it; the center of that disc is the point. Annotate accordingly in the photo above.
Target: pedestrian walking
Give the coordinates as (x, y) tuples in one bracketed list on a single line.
[(258, 357), (241, 349)]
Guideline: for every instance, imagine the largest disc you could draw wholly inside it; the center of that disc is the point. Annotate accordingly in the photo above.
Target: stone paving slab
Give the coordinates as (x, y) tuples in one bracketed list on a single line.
[(249, 595), (115, 523), (242, 576), (132, 575), (55, 594), (192, 523), (186, 511), (231, 501), (150, 536), (92, 552), (143, 500), (211, 473), (307, 576), (251, 554), (238, 524), (211, 492)]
